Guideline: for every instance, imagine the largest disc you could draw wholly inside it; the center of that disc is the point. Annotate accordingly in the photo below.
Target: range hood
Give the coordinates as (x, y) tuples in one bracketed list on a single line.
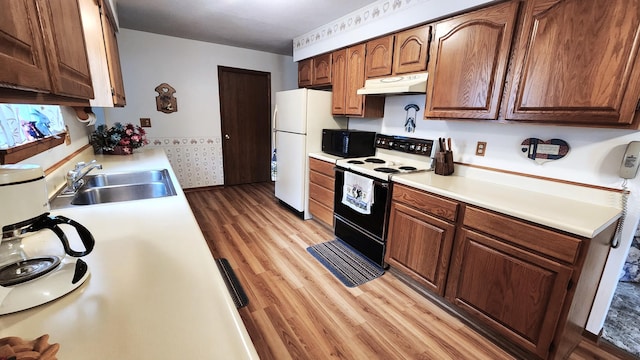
[(396, 85)]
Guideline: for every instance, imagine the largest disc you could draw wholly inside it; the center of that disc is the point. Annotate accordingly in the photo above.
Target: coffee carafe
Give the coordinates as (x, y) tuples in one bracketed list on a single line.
[(37, 261)]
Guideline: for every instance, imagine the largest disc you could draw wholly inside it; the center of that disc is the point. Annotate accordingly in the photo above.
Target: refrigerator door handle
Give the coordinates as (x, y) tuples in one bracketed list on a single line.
[(275, 117)]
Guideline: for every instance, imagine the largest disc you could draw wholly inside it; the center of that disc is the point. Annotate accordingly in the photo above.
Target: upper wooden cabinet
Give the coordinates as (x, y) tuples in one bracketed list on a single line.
[(322, 70), (305, 72), (379, 57), (42, 50), (359, 105), (355, 79), (103, 55), (576, 62), (402, 53), (468, 63), (348, 76), (315, 71), (66, 49), (339, 69), (22, 59), (411, 50), (113, 60)]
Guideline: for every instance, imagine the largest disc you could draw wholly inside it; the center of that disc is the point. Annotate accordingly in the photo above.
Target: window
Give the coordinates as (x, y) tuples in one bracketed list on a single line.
[(26, 130)]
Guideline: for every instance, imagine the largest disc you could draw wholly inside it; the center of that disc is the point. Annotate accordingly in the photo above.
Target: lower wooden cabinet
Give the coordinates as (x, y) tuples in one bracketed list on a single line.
[(321, 183), (420, 239), (529, 284), (517, 293)]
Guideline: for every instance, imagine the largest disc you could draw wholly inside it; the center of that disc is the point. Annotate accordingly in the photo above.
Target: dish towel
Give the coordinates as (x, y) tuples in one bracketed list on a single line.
[(357, 192)]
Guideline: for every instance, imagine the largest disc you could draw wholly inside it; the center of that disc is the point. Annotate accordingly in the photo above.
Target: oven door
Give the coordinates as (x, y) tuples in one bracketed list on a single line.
[(373, 224)]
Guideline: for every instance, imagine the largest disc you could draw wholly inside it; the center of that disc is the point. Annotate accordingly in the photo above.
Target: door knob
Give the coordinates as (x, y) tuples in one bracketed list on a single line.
[(226, 136)]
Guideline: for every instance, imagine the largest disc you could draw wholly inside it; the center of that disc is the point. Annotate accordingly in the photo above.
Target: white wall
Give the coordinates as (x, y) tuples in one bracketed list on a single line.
[(594, 158), (191, 136)]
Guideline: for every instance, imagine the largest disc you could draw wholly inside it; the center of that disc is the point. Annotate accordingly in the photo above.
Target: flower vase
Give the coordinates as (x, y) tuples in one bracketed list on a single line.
[(120, 150)]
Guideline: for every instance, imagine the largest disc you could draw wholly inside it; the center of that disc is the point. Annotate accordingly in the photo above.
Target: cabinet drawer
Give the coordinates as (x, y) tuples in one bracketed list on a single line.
[(544, 241), (321, 212), (321, 195), (321, 180), (322, 167), (436, 206)]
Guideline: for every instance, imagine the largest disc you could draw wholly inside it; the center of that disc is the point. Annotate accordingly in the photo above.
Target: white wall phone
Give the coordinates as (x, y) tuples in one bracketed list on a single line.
[(630, 161), (628, 170)]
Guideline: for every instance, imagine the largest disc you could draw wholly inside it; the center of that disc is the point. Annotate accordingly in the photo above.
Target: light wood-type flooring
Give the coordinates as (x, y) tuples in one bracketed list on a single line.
[(298, 310)]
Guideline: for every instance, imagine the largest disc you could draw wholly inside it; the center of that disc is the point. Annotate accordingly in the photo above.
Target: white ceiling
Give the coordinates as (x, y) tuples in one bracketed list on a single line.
[(266, 25)]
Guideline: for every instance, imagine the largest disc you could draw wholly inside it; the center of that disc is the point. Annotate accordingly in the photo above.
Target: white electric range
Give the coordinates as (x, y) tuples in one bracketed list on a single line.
[(394, 155), (365, 227)]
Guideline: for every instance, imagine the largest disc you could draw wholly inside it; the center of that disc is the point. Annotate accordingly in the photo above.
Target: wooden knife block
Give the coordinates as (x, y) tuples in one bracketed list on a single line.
[(444, 163)]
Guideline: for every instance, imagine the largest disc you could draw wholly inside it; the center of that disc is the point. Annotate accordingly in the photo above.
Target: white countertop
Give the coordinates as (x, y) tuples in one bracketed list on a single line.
[(325, 157), (154, 291), (534, 204)]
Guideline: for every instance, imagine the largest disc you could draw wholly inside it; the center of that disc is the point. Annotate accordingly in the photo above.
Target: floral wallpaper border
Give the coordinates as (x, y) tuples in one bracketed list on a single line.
[(197, 161), (365, 15)]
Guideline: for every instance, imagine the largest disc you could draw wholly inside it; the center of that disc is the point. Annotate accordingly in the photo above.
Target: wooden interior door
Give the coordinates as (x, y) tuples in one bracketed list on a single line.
[(245, 114)]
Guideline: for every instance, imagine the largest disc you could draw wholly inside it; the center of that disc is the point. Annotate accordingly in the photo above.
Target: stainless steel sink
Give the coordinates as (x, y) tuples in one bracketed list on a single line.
[(106, 194), (114, 187), (126, 178)]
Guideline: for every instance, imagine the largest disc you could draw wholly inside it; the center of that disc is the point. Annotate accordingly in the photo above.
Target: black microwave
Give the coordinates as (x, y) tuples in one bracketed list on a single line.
[(348, 143)]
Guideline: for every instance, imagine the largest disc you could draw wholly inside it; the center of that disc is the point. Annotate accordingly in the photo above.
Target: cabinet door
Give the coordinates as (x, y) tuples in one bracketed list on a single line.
[(66, 49), (355, 79), (379, 57), (305, 72), (339, 72), (517, 293), (468, 63), (322, 70), (420, 246), (411, 50), (23, 63), (577, 62), (113, 61)]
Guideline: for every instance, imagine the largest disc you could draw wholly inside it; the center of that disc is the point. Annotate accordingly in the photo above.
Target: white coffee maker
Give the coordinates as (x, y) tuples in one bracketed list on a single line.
[(37, 261)]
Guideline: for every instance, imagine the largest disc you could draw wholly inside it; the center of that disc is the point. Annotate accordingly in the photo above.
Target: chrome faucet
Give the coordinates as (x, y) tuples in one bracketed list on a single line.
[(75, 177)]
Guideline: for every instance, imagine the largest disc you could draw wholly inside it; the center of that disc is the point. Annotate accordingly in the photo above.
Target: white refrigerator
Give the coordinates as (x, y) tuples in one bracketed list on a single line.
[(298, 119)]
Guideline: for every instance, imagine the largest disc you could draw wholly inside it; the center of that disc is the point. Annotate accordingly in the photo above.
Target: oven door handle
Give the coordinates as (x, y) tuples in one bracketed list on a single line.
[(375, 182)]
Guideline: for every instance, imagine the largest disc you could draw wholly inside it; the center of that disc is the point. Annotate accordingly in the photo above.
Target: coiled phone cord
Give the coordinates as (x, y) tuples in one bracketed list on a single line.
[(615, 242)]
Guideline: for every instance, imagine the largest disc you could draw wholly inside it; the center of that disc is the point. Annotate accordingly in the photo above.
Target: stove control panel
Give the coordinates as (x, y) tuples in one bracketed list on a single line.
[(405, 144)]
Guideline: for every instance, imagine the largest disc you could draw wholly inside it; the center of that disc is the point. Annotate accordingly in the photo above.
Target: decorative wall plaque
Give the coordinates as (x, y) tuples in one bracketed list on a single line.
[(542, 151), (165, 101)]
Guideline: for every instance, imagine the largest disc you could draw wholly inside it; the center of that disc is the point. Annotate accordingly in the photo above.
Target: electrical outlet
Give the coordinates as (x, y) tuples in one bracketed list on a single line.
[(145, 122), (481, 148)]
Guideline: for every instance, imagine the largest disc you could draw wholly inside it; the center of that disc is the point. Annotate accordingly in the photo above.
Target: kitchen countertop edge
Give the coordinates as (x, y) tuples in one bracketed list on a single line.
[(192, 319)]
